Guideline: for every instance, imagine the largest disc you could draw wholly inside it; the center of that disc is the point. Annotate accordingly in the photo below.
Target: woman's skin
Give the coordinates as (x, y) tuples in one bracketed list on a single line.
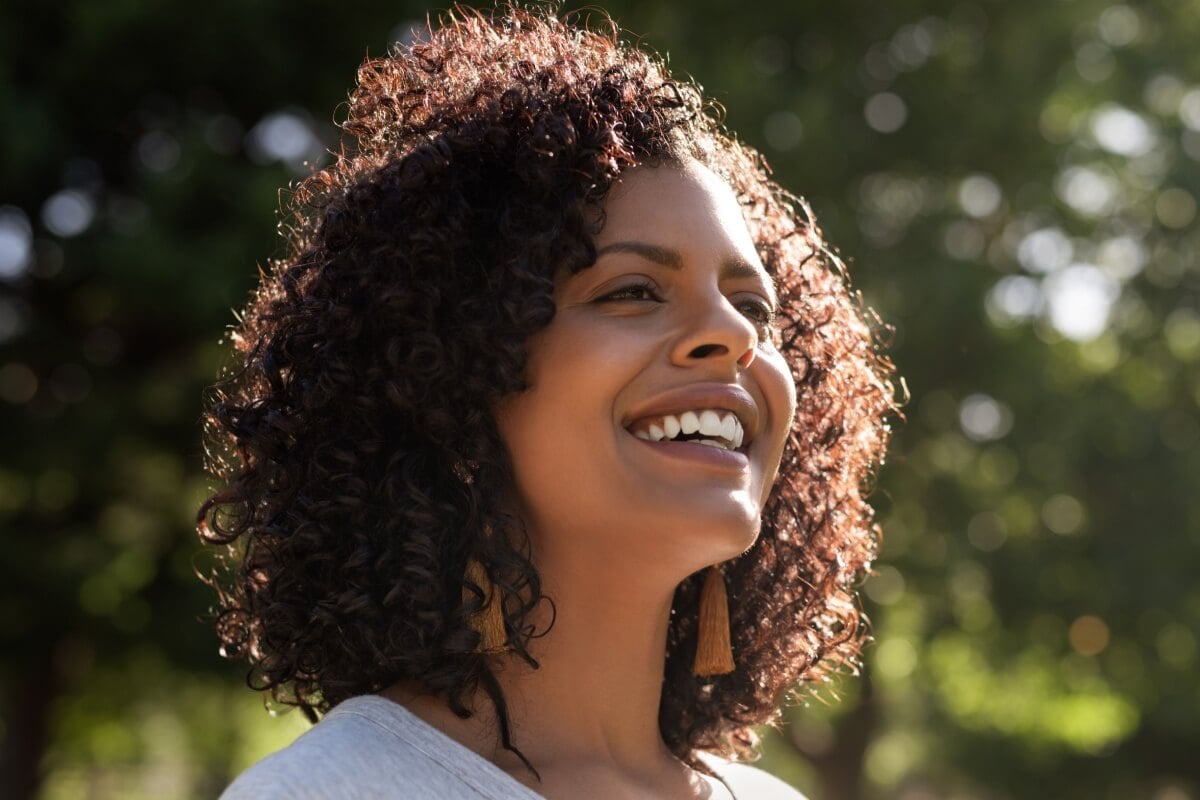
[(674, 316)]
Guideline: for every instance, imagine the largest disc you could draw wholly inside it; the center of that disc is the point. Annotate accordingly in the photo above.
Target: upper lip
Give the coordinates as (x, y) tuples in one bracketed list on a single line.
[(720, 396)]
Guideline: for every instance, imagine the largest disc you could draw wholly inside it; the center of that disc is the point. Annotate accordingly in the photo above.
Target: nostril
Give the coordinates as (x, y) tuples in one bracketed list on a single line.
[(706, 350)]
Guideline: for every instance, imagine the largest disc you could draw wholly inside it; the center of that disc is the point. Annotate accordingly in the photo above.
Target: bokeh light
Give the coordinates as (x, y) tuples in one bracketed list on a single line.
[(16, 242), (886, 112), (68, 213)]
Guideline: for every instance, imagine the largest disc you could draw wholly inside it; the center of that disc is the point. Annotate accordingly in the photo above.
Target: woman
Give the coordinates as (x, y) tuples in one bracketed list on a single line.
[(542, 452)]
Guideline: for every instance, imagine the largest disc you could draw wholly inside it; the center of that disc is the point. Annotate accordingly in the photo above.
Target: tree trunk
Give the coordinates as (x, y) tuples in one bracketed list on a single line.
[(30, 693), (839, 767)]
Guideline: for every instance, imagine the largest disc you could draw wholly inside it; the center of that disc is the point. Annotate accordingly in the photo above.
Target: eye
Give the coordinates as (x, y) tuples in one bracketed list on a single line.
[(758, 311), (643, 290)]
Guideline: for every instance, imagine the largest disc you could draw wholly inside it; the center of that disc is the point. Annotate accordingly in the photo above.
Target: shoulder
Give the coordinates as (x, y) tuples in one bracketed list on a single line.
[(347, 755), (368, 748), (752, 783)]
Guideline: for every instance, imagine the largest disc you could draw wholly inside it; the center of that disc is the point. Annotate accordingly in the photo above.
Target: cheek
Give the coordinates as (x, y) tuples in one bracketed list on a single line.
[(556, 429), (534, 438), (779, 394), (778, 387)]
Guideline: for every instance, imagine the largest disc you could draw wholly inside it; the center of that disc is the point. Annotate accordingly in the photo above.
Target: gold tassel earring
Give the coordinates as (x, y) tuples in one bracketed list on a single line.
[(488, 621), (714, 653)]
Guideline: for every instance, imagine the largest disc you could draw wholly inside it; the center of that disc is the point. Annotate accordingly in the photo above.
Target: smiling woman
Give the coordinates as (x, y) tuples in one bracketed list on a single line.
[(543, 451)]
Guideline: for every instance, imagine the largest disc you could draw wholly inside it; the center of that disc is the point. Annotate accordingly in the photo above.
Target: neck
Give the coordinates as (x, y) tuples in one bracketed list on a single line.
[(593, 700), (596, 692)]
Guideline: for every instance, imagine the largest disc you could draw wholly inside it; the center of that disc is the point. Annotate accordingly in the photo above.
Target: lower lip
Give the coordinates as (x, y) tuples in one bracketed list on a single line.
[(698, 454)]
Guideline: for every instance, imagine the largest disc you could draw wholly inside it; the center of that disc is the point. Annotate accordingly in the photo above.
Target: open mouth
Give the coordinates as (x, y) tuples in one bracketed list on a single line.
[(707, 426)]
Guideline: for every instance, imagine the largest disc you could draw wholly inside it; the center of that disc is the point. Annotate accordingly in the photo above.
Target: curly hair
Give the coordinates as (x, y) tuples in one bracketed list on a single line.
[(359, 464)]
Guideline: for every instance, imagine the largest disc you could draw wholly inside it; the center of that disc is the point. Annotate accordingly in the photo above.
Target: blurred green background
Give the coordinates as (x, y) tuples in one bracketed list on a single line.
[(1015, 186)]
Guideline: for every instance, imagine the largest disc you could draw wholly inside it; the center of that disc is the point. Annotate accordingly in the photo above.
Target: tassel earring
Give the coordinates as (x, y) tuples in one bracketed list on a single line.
[(488, 621), (714, 653)]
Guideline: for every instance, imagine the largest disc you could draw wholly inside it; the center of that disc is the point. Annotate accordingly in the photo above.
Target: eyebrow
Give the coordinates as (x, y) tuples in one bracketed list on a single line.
[(734, 267)]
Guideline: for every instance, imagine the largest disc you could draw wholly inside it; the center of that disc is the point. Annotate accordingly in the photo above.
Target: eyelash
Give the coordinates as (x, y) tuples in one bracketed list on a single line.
[(640, 286), (763, 316)]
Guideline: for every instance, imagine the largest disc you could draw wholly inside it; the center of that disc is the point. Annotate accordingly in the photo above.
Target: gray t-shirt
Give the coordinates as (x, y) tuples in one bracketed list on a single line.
[(371, 748)]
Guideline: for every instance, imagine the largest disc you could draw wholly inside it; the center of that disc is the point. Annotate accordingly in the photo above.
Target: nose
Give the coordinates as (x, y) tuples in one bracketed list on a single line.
[(715, 331)]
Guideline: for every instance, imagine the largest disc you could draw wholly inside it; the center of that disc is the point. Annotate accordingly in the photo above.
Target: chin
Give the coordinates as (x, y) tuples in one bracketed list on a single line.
[(742, 541), (705, 537)]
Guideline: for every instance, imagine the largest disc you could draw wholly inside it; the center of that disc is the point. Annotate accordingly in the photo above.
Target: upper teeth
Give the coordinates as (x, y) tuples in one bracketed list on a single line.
[(723, 426)]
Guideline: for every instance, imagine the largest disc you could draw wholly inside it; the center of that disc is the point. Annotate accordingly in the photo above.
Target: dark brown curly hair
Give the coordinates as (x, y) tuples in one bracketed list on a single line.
[(353, 436)]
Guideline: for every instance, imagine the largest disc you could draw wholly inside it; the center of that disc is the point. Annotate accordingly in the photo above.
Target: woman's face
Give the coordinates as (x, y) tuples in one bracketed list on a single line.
[(670, 329)]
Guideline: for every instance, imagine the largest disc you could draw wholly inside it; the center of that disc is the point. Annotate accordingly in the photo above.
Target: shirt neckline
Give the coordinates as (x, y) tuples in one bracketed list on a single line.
[(481, 775)]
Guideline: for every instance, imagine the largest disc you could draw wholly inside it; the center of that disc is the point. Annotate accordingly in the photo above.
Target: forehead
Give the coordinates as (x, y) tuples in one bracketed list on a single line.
[(685, 206), (646, 197)]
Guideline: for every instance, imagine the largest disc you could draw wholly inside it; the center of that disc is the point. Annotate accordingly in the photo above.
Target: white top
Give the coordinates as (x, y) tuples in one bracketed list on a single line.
[(371, 748)]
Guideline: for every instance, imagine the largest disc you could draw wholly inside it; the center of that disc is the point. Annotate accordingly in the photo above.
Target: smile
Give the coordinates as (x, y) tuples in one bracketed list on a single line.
[(706, 426)]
